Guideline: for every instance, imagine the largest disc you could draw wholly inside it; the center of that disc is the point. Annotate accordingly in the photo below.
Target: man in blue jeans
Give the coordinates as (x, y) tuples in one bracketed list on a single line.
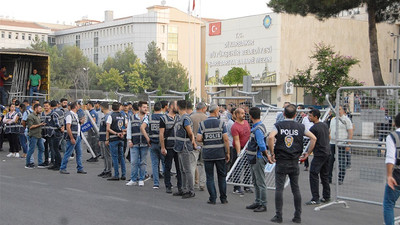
[(392, 189), (34, 83), (154, 142), (115, 131), (138, 142), (73, 139), (212, 132), (35, 137)]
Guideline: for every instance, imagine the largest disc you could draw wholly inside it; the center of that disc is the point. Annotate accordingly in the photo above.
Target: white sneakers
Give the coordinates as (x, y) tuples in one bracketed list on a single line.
[(13, 154), (131, 183), (141, 183)]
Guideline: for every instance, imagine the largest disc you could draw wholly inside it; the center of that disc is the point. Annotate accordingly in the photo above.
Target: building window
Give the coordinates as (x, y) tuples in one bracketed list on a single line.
[(42, 37), (9, 35), (3, 34), (163, 46), (163, 29), (29, 37), (16, 36), (23, 36), (36, 37)]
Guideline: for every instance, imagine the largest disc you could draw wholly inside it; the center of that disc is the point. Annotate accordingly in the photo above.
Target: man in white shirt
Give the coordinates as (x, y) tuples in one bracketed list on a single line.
[(73, 139), (345, 131), (392, 190)]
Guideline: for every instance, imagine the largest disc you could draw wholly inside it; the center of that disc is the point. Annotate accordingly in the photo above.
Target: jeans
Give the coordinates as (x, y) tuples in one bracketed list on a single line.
[(105, 152), (33, 142), (117, 154), (32, 92), (138, 162), (320, 166), (185, 157), (389, 201), (172, 155), (221, 173), (55, 152), (23, 143), (3, 94), (156, 157), (342, 163), (78, 154), (290, 168), (258, 175)]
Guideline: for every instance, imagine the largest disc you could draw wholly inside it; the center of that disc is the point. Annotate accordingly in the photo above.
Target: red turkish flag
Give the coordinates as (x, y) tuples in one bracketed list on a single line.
[(214, 29)]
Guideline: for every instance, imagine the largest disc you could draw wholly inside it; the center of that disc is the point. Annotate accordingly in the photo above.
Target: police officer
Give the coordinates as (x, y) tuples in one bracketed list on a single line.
[(184, 145), (105, 150), (47, 132), (167, 141), (114, 138), (73, 139), (155, 150), (212, 132), (392, 191), (93, 138), (139, 143), (57, 124), (286, 152)]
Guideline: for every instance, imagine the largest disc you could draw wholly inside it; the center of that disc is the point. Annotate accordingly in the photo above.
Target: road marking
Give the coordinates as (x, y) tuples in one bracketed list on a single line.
[(37, 182), (4, 176), (116, 198), (76, 190)]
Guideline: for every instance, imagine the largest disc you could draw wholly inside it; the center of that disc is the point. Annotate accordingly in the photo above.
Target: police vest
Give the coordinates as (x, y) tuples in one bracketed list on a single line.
[(154, 128), (20, 128), (57, 121), (289, 140), (396, 169), (74, 127), (182, 139), (47, 130), (169, 138), (137, 136), (252, 147), (13, 127), (103, 127), (117, 125), (213, 143)]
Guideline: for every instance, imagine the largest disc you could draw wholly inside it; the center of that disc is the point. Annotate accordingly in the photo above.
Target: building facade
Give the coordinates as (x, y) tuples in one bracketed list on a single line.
[(273, 46)]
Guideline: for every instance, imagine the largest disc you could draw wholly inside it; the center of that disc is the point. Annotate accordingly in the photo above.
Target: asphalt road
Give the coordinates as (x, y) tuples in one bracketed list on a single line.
[(40, 196)]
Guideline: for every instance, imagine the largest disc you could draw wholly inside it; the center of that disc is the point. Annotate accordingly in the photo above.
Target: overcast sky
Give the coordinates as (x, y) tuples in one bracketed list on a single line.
[(68, 11)]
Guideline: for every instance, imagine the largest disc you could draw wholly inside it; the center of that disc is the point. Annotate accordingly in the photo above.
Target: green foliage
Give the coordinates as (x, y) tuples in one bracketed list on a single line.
[(121, 61), (137, 80), (378, 11), (331, 73), (111, 80), (235, 76), (155, 64)]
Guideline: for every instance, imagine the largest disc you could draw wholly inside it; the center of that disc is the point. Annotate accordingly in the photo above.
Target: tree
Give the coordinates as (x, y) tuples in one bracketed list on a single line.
[(121, 61), (331, 73), (378, 11), (111, 80), (137, 79), (155, 65), (235, 76)]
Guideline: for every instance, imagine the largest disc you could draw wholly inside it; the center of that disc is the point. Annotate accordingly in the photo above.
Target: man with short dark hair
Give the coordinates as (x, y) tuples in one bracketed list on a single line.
[(73, 139), (256, 150), (164, 106), (184, 145), (57, 124), (93, 137), (35, 137), (392, 190), (3, 78), (138, 142), (115, 130), (34, 83), (288, 148), (155, 150), (105, 150), (47, 131), (167, 141), (320, 163), (212, 132)]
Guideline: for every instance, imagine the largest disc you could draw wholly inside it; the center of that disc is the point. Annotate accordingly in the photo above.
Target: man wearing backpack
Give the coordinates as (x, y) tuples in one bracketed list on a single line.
[(392, 189), (255, 151)]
